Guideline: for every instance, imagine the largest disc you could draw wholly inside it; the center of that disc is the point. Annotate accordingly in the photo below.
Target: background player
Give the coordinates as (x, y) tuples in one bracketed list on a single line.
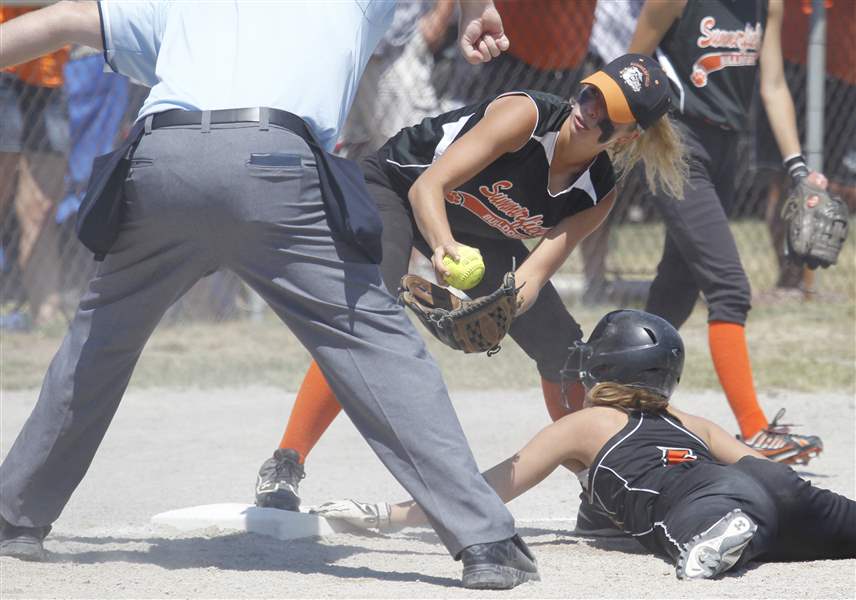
[(678, 483), (519, 166), (711, 51)]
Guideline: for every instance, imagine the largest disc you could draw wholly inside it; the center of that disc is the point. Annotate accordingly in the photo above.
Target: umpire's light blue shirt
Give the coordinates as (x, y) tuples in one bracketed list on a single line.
[(303, 56)]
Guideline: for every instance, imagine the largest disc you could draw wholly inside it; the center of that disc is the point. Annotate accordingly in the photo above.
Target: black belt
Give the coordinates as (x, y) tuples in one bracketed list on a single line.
[(350, 208), (262, 115)]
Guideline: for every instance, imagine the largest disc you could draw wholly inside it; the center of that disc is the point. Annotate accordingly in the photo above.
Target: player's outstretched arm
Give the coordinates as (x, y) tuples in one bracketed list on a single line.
[(46, 30), (561, 443)]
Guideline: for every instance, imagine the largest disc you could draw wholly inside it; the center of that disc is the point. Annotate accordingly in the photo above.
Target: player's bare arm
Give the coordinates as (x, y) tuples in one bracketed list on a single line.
[(572, 441), (775, 93), (774, 88), (507, 125), (724, 446), (555, 247), (654, 21), (49, 29)]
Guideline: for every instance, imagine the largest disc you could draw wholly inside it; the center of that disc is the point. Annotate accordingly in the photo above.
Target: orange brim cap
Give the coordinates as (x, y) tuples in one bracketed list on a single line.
[(616, 104)]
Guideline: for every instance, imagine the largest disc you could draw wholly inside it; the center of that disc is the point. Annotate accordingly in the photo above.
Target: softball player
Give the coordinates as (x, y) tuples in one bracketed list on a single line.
[(678, 483), (712, 52), (518, 166)]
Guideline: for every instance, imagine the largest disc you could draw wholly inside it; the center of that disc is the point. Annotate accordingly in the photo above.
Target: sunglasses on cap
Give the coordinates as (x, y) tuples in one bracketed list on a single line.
[(591, 95)]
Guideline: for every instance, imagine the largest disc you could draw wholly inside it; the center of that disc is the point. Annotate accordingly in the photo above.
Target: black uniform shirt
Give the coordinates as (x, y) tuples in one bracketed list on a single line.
[(630, 470), (510, 197), (711, 56)]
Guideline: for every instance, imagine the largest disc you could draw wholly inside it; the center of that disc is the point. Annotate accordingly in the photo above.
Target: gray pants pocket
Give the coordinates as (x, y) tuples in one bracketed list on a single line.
[(275, 165)]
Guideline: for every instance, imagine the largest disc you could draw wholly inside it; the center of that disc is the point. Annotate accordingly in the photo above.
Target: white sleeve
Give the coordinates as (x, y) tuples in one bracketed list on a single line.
[(132, 31)]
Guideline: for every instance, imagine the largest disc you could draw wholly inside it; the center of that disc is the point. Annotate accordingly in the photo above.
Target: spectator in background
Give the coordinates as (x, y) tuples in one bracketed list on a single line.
[(33, 145), (97, 104), (839, 147), (396, 88)]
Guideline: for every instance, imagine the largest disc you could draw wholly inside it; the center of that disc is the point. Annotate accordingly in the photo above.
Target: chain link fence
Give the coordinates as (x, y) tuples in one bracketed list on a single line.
[(50, 133)]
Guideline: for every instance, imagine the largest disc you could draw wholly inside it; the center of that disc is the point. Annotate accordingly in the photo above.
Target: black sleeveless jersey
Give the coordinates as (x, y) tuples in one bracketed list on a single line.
[(711, 56), (632, 468), (510, 197)]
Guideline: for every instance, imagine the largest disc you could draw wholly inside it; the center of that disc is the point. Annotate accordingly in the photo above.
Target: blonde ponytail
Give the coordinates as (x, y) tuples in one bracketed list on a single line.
[(626, 398), (661, 149)]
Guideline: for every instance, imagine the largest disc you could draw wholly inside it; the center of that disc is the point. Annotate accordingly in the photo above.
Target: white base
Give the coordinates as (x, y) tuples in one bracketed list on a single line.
[(281, 524)]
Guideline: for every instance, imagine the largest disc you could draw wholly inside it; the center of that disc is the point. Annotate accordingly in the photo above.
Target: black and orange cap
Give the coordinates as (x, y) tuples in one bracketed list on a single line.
[(635, 89)]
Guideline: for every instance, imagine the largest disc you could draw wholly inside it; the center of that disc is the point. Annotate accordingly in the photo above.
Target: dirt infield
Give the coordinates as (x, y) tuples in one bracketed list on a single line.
[(169, 449)]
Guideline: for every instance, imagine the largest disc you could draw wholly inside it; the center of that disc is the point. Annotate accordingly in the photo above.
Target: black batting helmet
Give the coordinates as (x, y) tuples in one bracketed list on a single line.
[(630, 347)]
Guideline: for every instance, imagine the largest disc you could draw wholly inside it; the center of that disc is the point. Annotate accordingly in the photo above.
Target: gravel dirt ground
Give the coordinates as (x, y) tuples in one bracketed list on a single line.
[(170, 449)]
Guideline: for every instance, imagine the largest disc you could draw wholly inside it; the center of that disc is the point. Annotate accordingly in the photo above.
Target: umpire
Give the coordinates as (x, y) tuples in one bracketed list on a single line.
[(227, 168)]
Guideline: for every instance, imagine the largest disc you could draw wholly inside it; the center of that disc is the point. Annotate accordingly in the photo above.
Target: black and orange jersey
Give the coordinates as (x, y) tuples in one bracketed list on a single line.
[(635, 465), (510, 197), (711, 55)]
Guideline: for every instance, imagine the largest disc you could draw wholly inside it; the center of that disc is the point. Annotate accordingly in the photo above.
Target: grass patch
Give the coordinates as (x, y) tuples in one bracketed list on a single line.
[(797, 346), (794, 346)]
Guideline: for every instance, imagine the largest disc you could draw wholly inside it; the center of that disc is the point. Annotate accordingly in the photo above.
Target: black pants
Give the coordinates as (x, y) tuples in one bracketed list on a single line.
[(544, 332), (796, 521), (700, 253)]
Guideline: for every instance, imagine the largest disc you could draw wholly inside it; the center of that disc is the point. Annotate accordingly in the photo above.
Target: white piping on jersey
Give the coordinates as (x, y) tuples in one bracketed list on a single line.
[(392, 162), (583, 183), (548, 141), (613, 447), (602, 504), (666, 64), (624, 481), (689, 433), (450, 132), (537, 114)]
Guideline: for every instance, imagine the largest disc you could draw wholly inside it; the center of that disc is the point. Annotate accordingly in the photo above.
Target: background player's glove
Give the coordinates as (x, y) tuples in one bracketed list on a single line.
[(816, 225), (468, 325), (359, 514)]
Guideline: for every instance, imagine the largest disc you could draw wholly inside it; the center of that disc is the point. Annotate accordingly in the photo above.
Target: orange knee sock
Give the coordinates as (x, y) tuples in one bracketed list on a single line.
[(553, 398), (314, 409), (731, 361)]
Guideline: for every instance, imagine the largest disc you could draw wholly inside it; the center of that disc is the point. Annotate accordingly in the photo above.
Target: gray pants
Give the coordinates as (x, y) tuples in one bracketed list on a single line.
[(194, 204)]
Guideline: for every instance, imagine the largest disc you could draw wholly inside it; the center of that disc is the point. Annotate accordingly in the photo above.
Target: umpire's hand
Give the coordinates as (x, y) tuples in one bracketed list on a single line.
[(482, 36)]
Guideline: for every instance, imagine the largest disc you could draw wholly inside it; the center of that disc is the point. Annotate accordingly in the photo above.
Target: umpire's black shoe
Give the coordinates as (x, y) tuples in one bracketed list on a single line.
[(24, 543), (498, 565), (279, 476)]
